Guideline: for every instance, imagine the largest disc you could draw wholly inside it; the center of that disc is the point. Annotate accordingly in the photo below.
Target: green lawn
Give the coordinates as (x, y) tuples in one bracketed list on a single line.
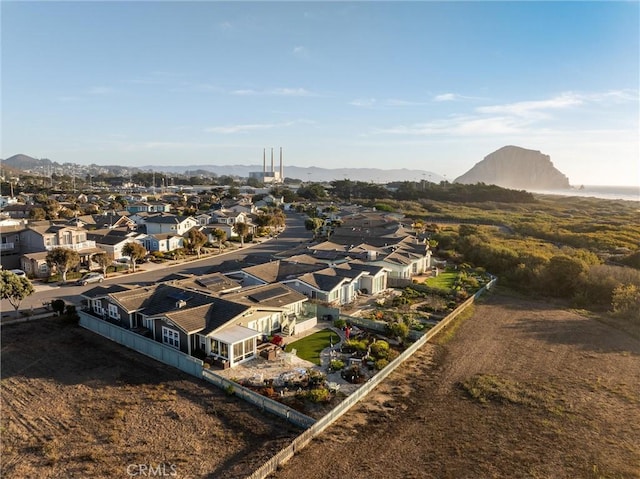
[(445, 280), (309, 347)]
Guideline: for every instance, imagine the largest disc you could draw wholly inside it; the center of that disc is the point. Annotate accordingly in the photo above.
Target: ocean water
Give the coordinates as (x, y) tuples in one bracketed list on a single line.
[(629, 193)]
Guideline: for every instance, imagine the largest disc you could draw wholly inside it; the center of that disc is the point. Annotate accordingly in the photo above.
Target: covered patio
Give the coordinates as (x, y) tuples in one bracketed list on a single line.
[(234, 345)]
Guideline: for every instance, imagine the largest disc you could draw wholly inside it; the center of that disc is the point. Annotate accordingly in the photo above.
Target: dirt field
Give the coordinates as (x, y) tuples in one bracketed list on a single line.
[(523, 390), (77, 405)]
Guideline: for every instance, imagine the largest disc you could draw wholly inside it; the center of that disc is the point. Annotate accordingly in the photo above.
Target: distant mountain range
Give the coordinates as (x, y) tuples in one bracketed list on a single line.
[(314, 173), (376, 175), (509, 167)]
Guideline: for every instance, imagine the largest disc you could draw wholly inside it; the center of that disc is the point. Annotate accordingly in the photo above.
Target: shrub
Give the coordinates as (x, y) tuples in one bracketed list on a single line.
[(355, 345), (318, 395), (340, 323), (336, 365), (58, 306), (381, 363), (380, 349), (399, 330), (316, 378), (71, 313)]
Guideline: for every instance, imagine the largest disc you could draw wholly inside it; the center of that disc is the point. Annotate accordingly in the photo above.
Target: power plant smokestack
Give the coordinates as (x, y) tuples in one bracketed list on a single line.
[(281, 168), (264, 161), (272, 170)]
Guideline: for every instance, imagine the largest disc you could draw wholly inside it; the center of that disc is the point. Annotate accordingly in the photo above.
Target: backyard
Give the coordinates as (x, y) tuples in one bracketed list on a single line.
[(310, 347)]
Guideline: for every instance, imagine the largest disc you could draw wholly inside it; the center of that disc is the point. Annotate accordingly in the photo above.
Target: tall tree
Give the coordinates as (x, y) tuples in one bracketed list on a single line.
[(103, 260), (242, 230), (14, 288), (63, 259), (134, 251), (221, 237), (197, 239), (313, 224)]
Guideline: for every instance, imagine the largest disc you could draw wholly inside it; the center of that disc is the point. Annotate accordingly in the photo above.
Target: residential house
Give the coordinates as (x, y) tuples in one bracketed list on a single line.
[(275, 308), (43, 236), (162, 242), (225, 220), (169, 224), (10, 245), (113, 240), (149, 207), (195, 322), (273, 272), (18, 210), (203, 219)]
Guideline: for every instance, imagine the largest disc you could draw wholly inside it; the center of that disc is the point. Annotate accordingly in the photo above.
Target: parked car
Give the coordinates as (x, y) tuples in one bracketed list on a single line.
[(18, 272), (91, 278)]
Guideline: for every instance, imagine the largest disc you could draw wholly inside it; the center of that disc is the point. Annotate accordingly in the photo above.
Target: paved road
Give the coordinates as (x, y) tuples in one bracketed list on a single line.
[(293, 235)]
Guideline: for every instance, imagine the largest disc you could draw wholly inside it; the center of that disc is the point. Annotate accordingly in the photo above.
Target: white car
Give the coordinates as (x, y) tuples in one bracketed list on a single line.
[(18, 272), (91, 278)]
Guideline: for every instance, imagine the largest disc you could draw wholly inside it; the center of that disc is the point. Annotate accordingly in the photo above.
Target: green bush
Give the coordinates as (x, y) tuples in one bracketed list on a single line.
[(381, 363), (318, 395), (356, 345), (339, 323), (336, 365), (399, 330), (380, 349)]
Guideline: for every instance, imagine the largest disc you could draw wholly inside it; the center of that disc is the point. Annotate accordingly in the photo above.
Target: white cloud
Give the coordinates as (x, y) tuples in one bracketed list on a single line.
[(446, 97), (227, 130), (100, 90), (397, 102), (301, 51), (535, 109), (290, 92), (297, 92), (453, 97), (245, 128), (525, 117), (459, 126), (363, 102)]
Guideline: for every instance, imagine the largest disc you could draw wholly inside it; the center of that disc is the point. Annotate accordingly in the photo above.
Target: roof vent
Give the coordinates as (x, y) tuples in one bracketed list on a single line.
[(180, 303)]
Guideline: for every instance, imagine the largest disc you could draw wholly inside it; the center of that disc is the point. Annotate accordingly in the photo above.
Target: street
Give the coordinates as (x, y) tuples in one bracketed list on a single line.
[(294, 234)]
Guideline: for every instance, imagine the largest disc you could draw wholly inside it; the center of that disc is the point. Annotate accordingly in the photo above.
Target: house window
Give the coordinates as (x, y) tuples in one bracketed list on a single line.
[(113, 311), (97, 307), (171, 337), (147, 323), (237, 351)]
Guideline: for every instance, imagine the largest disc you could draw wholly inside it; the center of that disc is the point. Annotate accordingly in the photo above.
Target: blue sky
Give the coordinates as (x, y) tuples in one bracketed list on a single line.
[(429, 85)]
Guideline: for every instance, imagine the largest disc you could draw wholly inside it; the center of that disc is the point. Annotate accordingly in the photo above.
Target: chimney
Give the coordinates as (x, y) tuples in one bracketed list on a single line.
[(281, 168), (271, 160), (264, 161)]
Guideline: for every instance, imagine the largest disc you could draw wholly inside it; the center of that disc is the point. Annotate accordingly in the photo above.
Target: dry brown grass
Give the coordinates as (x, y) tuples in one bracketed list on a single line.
[(77, 405), (523, 389)]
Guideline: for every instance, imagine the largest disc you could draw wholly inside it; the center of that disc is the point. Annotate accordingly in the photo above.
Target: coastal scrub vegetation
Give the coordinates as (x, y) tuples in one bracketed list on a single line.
[(586, 250)]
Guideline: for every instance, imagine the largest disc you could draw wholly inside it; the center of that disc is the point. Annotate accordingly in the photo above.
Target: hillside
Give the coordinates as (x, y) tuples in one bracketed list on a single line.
[(375, 175), (518, 168)]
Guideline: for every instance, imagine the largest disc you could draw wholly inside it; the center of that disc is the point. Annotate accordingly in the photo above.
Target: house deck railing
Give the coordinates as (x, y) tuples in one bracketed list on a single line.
[(74, 246)]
